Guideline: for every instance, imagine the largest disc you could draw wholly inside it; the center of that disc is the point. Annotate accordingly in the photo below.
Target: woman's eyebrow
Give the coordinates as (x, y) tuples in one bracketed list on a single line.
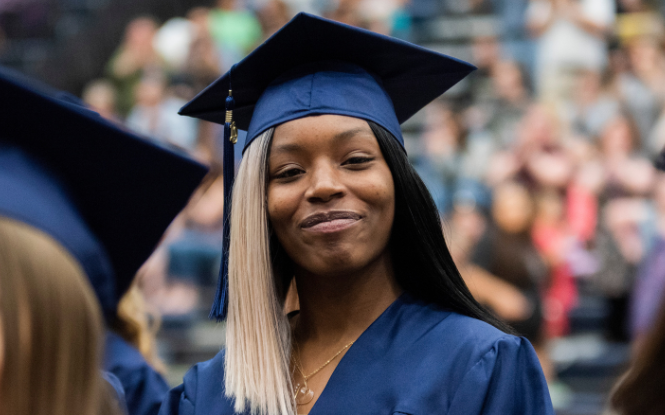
[(287, 148), (345, 135)]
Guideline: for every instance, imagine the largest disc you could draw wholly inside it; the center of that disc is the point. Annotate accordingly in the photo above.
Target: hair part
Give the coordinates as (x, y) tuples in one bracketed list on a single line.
[(51, 328), (258, 344)]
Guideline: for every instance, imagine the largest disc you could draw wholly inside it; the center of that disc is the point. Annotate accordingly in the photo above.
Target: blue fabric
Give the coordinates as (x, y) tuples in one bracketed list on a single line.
[(144, 388), (122, 190), (112, 380), (328, 87), (414, 359), (33, 195)]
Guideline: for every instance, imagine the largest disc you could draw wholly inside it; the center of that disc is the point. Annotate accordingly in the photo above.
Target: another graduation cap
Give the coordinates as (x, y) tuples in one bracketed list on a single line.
[(105, 194), (315, 66)]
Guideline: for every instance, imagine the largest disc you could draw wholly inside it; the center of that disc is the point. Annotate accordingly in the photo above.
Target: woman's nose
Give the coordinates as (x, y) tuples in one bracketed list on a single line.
[(325, 185)]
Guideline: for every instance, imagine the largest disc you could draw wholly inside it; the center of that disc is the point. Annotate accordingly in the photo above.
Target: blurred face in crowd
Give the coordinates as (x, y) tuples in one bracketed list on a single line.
[(331, 198), (550, 207), (512, 208), (644, 54), (508, 81), (227, 4), (632, 5), (538, 127), (101, 97), (617, 138), (485, 51), (442, 132), (139, 33), (588, 87), (149, 92)]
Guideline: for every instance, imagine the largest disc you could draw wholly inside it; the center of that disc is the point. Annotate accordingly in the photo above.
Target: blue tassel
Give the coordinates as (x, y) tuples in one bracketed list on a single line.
[(221, 304)]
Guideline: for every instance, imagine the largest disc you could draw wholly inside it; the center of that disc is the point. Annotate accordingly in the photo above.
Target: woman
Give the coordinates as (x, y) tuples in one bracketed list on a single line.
[(325, 195), (103, 193), (50, 329)]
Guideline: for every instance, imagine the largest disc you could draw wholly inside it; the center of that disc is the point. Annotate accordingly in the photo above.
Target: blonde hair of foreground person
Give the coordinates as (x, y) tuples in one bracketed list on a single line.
[(51, 329)]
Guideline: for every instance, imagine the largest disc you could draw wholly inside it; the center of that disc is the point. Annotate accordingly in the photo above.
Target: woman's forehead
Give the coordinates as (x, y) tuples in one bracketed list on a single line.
[(321, 131)]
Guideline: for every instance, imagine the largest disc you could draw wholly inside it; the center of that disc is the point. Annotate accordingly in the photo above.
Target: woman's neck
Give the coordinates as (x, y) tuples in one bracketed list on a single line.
[(338, 309)]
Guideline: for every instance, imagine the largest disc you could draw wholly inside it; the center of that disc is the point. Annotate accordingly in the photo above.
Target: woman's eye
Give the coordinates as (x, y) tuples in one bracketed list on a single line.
[(358, 160), (287, 174)]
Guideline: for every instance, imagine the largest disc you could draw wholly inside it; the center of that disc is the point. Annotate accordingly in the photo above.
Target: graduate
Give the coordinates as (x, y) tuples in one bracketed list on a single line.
[(325, 196), (102, 193)]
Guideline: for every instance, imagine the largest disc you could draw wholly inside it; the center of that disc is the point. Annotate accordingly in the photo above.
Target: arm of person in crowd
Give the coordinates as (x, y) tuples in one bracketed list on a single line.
[(503, 298), (539, 16), (595, 19)]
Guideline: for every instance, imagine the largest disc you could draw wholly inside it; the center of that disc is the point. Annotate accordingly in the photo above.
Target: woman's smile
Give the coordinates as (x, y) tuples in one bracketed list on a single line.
[(330, 222)]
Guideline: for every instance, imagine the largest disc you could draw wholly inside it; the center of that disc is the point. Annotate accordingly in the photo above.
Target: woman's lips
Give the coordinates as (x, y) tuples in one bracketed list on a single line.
[(327, 222)]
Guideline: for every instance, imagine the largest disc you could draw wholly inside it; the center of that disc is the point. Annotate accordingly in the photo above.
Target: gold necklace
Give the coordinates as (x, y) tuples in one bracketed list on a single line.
[(303, 394)]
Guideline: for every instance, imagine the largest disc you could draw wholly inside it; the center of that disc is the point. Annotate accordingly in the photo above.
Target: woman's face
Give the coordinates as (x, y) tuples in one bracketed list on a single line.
[(331, 198)]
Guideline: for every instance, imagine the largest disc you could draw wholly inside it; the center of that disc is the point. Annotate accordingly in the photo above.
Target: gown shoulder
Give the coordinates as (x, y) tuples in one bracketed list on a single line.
[(202, 390), (144, 387)]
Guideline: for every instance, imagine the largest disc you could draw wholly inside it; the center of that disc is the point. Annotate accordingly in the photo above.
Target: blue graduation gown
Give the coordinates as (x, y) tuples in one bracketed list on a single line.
[(145, 389), (414, 359), (119, 391)]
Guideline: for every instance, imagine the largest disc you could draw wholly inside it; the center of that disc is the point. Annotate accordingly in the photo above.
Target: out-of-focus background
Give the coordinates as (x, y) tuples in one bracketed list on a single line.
[(540, 162)]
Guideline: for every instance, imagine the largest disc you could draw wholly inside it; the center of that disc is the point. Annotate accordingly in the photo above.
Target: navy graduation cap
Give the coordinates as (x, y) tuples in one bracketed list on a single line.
[(315, 66), (104, 193)]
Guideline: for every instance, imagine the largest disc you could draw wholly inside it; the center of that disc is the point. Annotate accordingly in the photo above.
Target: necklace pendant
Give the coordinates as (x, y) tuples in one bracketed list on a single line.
[(304, 394)]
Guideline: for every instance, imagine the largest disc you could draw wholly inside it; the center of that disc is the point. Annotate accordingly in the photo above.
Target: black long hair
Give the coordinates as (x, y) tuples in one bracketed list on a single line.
[(421, 259)]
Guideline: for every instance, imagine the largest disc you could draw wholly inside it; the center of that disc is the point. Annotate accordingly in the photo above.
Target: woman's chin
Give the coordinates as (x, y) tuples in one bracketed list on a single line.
[(332, 263)]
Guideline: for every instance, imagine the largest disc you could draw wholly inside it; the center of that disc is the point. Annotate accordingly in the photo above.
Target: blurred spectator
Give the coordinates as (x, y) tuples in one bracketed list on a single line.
[(156, 112), (486, 52), (649, 289), (101, 96), (454, 160), (622, 237), (592, 105), (273, 15), (551, 236), (132, 59), (203, 63), (386, 16), (511, 101), (235, 31), (559, 24), (506, 252), (173, 41), (642, 87), (190, 254)]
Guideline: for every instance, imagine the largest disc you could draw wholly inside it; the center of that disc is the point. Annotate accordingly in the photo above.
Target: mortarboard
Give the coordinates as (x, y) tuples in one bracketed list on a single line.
[(104, 193), (316, 66)]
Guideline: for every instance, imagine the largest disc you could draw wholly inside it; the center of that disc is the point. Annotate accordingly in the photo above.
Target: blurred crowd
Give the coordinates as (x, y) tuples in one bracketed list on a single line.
[(541, 163)]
